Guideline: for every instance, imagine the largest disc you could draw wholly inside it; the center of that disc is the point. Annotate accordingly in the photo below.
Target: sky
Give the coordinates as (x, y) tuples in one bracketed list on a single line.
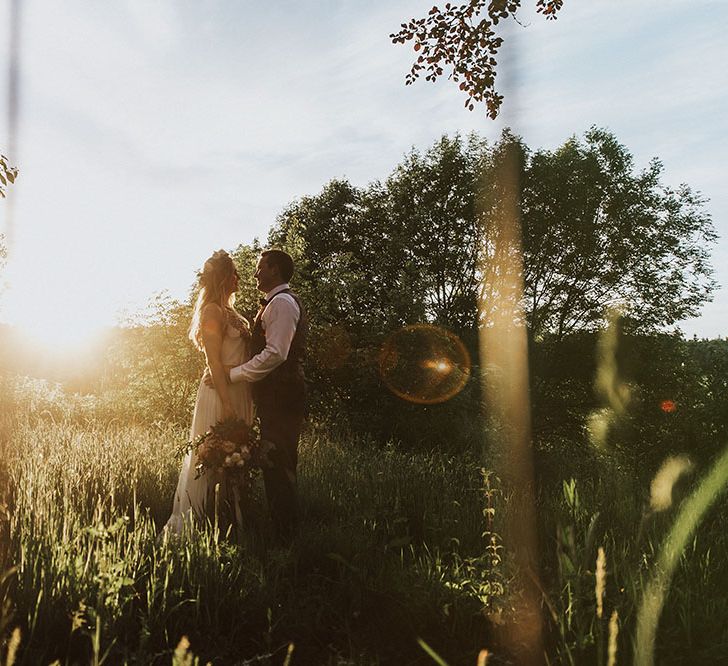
[(154, 132)]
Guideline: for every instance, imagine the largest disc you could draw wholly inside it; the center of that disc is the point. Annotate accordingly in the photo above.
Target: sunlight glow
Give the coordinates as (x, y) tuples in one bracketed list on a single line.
[(62, 334), (59, 326)]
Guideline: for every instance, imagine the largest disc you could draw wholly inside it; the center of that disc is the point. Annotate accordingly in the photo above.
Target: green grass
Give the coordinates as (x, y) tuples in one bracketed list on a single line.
[(384, 538), (395, 546)]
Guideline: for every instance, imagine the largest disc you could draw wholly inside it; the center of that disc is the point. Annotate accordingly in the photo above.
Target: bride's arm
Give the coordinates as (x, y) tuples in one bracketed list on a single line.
[(212, 327)]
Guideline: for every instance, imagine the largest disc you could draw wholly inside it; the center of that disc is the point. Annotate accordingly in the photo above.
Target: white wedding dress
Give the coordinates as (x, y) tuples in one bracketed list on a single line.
[(191, 494)]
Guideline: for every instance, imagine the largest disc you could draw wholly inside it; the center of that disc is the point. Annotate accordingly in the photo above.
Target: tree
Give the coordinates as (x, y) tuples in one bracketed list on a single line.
[(597, 234), (245, 258), (152, 364), (8, 174), (464, 37), (423, 246), (433, 203), (363, 277)]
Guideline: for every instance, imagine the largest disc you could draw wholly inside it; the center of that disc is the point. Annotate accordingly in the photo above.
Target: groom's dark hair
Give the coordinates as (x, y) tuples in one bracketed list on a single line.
[(282, 260)]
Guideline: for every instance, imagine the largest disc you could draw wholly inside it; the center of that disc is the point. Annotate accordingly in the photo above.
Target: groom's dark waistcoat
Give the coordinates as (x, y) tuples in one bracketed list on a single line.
[(285, 384)]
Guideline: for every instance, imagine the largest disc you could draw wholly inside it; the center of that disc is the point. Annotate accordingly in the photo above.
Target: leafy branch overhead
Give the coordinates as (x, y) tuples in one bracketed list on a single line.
[(7, 174), (464, 38)]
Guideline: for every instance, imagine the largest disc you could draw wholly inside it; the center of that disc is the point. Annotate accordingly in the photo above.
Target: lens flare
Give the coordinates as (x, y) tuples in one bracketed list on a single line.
[(668, 406), (424, 364)]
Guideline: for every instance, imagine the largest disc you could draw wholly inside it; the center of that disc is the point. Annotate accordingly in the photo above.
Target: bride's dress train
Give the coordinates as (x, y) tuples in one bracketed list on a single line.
[(192, 493)]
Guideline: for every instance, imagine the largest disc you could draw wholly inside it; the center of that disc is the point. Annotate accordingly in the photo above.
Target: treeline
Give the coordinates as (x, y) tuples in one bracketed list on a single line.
[(601, 239)]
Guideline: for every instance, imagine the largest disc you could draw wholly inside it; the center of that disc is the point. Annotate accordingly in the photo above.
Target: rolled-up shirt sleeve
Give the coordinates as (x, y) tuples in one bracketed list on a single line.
[(279, 320)]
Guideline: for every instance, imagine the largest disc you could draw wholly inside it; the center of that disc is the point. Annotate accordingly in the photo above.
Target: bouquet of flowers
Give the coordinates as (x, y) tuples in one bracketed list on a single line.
[(227, 447), (233, 453), (231, 447)]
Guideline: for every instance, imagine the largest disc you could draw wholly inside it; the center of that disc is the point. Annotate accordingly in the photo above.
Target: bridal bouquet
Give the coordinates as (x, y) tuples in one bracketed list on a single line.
[(229, 446), (232, 453)]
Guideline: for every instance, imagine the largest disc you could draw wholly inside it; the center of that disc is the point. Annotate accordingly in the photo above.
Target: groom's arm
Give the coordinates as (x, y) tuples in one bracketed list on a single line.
[(280, 320)]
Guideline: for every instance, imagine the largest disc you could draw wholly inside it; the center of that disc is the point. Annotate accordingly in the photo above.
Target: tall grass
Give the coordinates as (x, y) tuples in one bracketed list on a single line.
[(385, 539), (395, 547)]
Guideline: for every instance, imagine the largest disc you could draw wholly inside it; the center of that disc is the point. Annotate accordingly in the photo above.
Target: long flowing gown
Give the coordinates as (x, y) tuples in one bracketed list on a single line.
[(192, 493)]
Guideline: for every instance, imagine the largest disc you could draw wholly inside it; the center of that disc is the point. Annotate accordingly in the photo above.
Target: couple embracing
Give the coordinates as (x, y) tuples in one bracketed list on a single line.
[(256, 368)]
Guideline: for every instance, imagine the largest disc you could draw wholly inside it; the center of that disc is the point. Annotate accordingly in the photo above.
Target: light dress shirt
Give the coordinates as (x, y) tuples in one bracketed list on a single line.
[(279, 319)]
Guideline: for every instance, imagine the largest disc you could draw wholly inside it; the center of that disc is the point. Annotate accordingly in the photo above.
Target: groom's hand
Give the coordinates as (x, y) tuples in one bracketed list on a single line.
[(207, 376)]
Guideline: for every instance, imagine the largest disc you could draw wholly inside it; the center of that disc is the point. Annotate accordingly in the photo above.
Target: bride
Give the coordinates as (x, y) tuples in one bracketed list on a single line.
[(224, 337)]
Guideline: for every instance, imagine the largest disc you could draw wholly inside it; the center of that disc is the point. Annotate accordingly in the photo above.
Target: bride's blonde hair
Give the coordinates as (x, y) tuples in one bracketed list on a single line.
[(215, 282)]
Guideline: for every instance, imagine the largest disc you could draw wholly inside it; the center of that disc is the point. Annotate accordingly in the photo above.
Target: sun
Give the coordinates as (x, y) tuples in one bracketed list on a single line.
[(54, 326), (63, 334), (51, 307)]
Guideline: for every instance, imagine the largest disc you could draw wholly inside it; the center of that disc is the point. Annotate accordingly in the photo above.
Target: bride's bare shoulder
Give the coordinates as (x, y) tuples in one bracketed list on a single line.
[(212, 312)]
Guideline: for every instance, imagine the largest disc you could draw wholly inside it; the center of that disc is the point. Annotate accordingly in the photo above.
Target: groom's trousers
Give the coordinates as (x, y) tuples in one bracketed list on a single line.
[(281, 413)]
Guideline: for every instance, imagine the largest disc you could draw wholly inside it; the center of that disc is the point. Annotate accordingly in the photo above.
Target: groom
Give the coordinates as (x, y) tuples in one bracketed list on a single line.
[(276, 374)]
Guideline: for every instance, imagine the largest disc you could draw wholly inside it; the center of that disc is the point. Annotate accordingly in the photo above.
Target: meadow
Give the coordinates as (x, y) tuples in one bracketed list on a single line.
[(406, 552), (399, 558)]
